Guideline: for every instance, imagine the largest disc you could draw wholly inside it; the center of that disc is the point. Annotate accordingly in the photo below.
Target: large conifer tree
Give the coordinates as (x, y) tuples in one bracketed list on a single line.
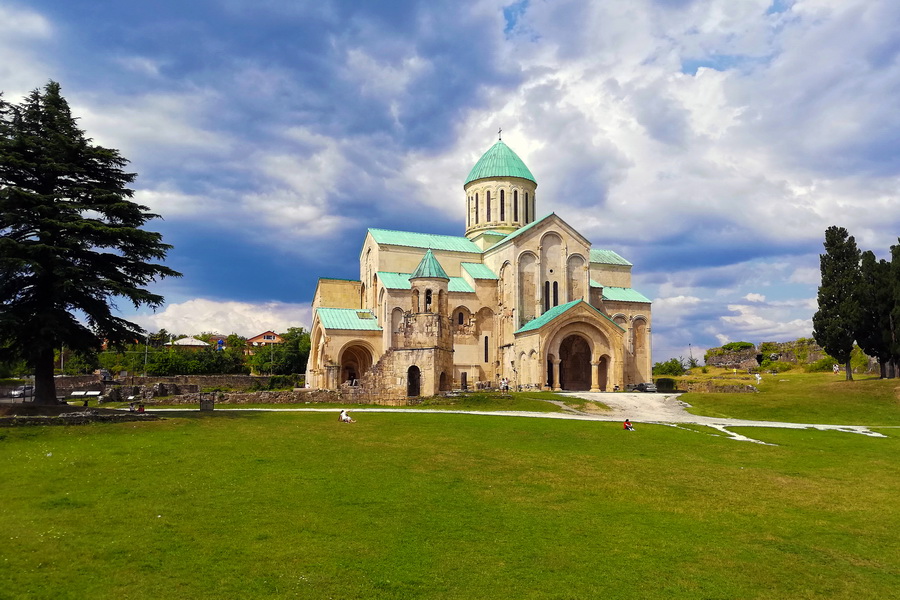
[(876, 294), (71, 241), (836, 322)]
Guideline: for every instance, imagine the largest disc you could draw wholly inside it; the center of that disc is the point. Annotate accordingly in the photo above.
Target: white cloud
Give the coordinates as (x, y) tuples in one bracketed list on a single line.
[(752, 297), (24, 39), (243, 318)]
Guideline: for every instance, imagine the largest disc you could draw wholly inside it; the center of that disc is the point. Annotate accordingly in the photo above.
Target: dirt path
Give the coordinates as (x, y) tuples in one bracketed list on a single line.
[(668, 409)]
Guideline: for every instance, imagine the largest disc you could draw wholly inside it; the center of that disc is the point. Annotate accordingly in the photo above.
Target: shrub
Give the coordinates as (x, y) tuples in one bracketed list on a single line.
[(823, 364), (665, 384), (737, 346), (673, 366), (776, 365)]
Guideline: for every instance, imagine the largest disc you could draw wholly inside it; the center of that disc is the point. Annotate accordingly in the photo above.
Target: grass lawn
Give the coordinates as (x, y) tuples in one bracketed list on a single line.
[(295, 505), (808, 398)]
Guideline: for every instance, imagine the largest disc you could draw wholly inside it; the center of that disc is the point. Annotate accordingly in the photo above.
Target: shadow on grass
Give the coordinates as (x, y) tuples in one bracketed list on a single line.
[(233, 414)]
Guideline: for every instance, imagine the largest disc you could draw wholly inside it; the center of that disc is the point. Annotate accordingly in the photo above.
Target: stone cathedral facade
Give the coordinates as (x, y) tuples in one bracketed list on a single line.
[(519, 296)]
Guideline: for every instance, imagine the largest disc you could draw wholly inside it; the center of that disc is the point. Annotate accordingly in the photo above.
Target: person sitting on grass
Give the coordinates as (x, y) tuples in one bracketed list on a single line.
[(627, 426), (345, 417)]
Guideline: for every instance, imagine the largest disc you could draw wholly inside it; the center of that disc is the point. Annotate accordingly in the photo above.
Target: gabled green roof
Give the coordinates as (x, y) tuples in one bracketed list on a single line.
[(547, 316), (429, 268), (347, 318), (400, 281), (478, 271), (621, 294), (557, 311), (608, 257), (499, 161), (411, 239), (519, 232)]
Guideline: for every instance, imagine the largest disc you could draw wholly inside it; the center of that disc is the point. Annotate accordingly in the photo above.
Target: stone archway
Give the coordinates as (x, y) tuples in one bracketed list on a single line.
[(575, 363), (356, 360), (413, 381)]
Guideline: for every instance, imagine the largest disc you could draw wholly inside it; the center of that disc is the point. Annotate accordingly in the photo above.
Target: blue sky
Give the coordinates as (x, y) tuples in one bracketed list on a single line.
[(710, 143)]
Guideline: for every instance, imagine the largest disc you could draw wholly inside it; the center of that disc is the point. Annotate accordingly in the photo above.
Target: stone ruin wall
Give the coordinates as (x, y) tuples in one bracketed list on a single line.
[(795, 352)]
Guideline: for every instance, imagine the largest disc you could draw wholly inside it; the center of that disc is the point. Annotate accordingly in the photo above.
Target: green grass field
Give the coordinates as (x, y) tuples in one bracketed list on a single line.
[(807, 398), (295, 505)]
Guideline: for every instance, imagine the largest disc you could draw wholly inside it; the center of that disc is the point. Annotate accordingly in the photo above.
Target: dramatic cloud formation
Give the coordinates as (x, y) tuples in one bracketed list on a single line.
[(710, 143)]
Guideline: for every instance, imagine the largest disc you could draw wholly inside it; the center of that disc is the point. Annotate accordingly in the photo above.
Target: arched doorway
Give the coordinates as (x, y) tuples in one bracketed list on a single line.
[(575, 364), (413, 381), (603, 376), (355, 361)]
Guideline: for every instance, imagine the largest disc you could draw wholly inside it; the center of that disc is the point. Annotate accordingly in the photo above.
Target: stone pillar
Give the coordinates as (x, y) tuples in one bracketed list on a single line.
[(556, 386), (595, 376)]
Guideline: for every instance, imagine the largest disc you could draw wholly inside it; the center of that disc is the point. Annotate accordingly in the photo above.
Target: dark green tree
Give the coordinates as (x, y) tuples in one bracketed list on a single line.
[(876, 294), (71, 240), (894, 322), (286, 358), (836, 322)]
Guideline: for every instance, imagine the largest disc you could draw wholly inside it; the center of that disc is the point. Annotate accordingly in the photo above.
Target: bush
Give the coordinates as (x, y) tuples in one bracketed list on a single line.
[(823, 364), (665, 384), (776, 365), (737, 346), (673, 366)]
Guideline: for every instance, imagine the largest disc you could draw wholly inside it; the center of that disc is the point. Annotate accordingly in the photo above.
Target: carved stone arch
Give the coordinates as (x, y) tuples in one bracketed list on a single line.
[(356, 357), (640, 334), (552, 268), (380, 309), (575, 279), (528, 286), (316, 347), (462, 318), (396, 324)]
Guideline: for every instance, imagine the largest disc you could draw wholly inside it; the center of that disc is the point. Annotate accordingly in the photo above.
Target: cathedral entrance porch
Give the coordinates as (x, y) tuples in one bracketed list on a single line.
[(575, 364), (356, 360)]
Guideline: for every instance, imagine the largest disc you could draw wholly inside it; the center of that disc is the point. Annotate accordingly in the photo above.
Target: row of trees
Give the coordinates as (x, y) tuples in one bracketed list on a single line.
[(156, 359), (859, 301)]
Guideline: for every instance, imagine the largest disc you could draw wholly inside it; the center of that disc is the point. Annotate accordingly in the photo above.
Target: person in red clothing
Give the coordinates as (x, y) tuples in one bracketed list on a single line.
[(627, 426)]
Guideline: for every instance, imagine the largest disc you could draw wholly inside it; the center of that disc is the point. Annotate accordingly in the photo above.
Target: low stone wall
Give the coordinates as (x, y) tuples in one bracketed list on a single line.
[(299, 396), (75, 418)]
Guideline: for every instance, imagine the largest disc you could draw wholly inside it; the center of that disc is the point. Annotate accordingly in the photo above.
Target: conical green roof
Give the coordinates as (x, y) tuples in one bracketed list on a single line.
[(429, 268), (499, 161)]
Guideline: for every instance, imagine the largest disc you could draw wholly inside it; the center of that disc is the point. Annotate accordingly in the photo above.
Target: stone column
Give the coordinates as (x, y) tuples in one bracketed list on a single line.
[(595, 376), (556, 386)]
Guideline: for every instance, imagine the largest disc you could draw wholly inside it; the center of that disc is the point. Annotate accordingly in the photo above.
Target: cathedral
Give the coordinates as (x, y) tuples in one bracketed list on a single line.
[(520, 298)]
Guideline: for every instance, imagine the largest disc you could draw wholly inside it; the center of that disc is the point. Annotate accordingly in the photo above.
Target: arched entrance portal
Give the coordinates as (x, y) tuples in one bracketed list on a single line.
[(355, 361), (575, 364), (413, 379)]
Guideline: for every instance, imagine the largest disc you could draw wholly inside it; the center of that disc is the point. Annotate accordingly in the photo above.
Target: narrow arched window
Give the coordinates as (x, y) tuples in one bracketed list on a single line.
[(488, 206), (555, 293), (476, 209), (469, 212), (427, 300), (546, 296), (461, 318), (526, 208), (485, 348), (502, 206), (515, 205)]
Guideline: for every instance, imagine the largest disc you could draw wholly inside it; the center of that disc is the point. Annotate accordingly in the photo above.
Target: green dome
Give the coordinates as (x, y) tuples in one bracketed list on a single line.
[(499, 161)]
